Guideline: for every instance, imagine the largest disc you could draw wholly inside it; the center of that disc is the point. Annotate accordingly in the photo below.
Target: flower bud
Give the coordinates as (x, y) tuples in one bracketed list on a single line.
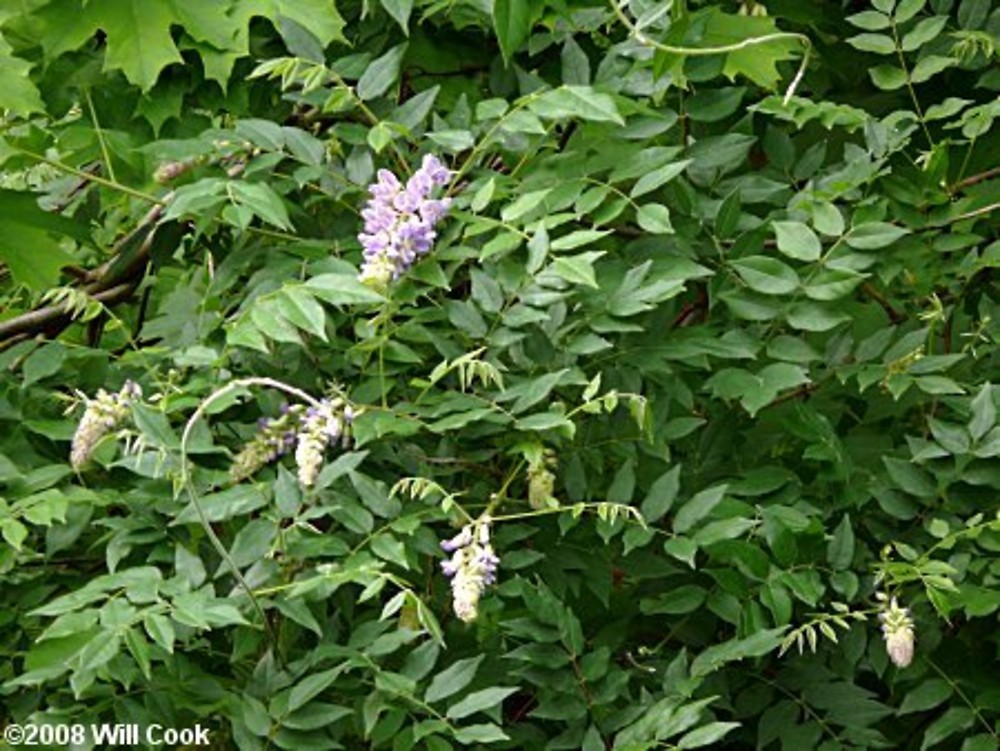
[(104, 413)]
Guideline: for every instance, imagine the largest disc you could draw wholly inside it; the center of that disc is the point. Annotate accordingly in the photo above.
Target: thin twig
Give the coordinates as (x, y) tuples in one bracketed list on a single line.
[(721, 49)]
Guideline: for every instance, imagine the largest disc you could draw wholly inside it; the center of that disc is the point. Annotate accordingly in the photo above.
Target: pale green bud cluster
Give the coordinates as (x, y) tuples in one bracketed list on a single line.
[(897, 631)]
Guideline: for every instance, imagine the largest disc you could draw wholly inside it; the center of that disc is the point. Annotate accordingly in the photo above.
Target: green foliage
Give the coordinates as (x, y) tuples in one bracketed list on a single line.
[(705, 343)]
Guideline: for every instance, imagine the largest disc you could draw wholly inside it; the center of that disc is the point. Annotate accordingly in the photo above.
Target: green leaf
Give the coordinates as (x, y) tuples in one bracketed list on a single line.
[(767, 275), (575, 63), (578, 269), (400, 11), (661, 495), (320, 17), (44, 362), (888, 77), (139, 39), (954, 720), (453, 679), (576, 101), (840, 550), (715, 657), (910, 477), (923, 33), (301, 309), (654, 218), (29, 240), (512, 23), (679, 600), (797, 241), (877, 43), (342, 289), (907, 9), (17, 92), (99, 650), (312, 686), (478, 701), (870, 20), (578, 238), (13, 532), (929, 694), (706, 735), (697, 508), (381, 73), (972, 14), (757, 62), (660, 176), (984, 413), (483, 733), (929, 66), (811, 316), (262, 200)]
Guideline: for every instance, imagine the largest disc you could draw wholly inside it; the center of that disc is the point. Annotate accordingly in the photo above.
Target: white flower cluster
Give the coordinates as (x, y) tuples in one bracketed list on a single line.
[(472, 567), (103, 414), (320, 427), (897, 631)]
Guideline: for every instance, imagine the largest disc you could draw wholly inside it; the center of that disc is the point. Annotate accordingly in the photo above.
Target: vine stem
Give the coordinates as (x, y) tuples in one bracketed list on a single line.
[(83, 175), (193, 494), (636, 32)]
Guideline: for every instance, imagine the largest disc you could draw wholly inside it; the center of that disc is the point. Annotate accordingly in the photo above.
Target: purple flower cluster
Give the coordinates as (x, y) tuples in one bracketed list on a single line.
[(275, 437), (399, 221), (471, 568), (305, 431)]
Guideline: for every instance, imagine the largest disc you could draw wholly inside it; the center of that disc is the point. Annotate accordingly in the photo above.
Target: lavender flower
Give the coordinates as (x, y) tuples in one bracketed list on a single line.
[(399, 221), (472, 567), (897, 631), (319, 427), (103, 414), (275, 438)]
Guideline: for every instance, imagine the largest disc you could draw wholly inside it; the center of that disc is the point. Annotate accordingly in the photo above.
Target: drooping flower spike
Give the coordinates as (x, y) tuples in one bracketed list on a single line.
[(400, 220), (104, 413), (471, 568), (319, 427)]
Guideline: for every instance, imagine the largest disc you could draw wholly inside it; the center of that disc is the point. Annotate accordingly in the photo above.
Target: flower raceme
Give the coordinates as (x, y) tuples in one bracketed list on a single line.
[(275, 438), (471, 568), (400, 220), (319, 427), (104, 413), (305, 430)]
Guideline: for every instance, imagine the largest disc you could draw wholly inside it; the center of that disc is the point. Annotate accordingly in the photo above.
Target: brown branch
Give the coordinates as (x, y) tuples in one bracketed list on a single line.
[(800, 392), (894, 315), (110, 283), (976, 179), (54, 318)]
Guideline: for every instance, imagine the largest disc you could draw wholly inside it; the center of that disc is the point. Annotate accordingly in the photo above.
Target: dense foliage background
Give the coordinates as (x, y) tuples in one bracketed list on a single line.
[(709, 331)]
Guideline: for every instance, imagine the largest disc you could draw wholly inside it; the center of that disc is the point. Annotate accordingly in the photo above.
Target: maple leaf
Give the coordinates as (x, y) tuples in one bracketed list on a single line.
[(17, 93), (757, 62)]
